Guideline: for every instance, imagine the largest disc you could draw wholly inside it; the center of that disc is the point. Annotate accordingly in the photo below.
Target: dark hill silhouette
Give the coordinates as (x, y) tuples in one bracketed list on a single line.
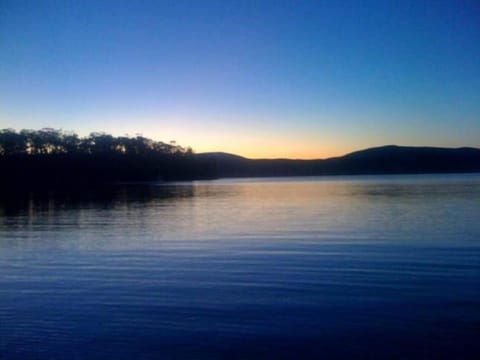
[(393, 159), (389, 159), (51, 158), (223, 156)]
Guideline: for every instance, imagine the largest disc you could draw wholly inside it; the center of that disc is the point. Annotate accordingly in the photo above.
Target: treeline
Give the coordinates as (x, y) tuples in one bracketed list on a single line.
[(49, 141), (54, 157)]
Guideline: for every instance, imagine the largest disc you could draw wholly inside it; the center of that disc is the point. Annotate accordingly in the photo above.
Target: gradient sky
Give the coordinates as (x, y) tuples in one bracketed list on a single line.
[(300, 79)]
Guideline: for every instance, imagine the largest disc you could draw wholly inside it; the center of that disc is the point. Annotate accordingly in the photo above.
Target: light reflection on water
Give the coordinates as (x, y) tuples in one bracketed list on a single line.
[(365, 267)]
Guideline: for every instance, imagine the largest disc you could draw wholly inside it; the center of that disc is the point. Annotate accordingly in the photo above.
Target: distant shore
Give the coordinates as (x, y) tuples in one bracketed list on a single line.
[(51, 158)]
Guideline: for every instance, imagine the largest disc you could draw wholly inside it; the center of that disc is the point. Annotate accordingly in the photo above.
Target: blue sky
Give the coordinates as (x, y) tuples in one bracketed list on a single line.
[(303, 79)]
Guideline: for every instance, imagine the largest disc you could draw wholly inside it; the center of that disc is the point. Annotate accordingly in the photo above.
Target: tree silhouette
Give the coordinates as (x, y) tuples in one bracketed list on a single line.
[(52, 141), (52, 156)]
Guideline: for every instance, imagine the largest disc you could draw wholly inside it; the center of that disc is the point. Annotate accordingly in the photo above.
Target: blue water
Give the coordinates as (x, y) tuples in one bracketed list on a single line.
[(366, 267)]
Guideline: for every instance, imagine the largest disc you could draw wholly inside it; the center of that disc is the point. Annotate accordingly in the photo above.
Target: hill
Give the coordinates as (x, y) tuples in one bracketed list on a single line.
[(389, 159)]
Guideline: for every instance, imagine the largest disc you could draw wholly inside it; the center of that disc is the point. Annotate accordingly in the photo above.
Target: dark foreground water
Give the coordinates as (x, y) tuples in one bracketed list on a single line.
[(333, 268)]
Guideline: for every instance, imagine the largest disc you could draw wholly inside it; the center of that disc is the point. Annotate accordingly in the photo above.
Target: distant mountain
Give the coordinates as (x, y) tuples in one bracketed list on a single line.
[(389, 159)]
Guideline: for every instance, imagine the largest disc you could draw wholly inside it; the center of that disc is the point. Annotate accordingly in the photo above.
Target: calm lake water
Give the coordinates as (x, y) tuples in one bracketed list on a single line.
[(366, 267)]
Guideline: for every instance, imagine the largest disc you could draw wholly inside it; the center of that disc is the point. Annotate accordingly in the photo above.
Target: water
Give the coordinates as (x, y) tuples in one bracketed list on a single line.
[(365, 267)]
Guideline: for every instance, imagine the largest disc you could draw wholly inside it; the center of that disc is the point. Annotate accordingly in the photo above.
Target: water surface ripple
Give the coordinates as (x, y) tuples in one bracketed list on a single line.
[(366, 267)]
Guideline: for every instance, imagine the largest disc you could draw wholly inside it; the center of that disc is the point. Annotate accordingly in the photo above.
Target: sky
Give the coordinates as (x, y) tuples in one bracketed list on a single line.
[(262, 79)]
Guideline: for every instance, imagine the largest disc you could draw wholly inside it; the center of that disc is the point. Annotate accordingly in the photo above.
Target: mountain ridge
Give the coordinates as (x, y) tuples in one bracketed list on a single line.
[(387, 159), (370, 149)]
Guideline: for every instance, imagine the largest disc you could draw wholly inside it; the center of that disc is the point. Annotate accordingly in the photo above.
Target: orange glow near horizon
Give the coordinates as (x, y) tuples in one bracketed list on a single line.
[(272, 151), (250, 138), (257, 146), (244, 144)]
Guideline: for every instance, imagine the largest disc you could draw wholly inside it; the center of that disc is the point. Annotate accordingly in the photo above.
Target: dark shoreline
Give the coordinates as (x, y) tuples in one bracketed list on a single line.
[(58, 171)]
